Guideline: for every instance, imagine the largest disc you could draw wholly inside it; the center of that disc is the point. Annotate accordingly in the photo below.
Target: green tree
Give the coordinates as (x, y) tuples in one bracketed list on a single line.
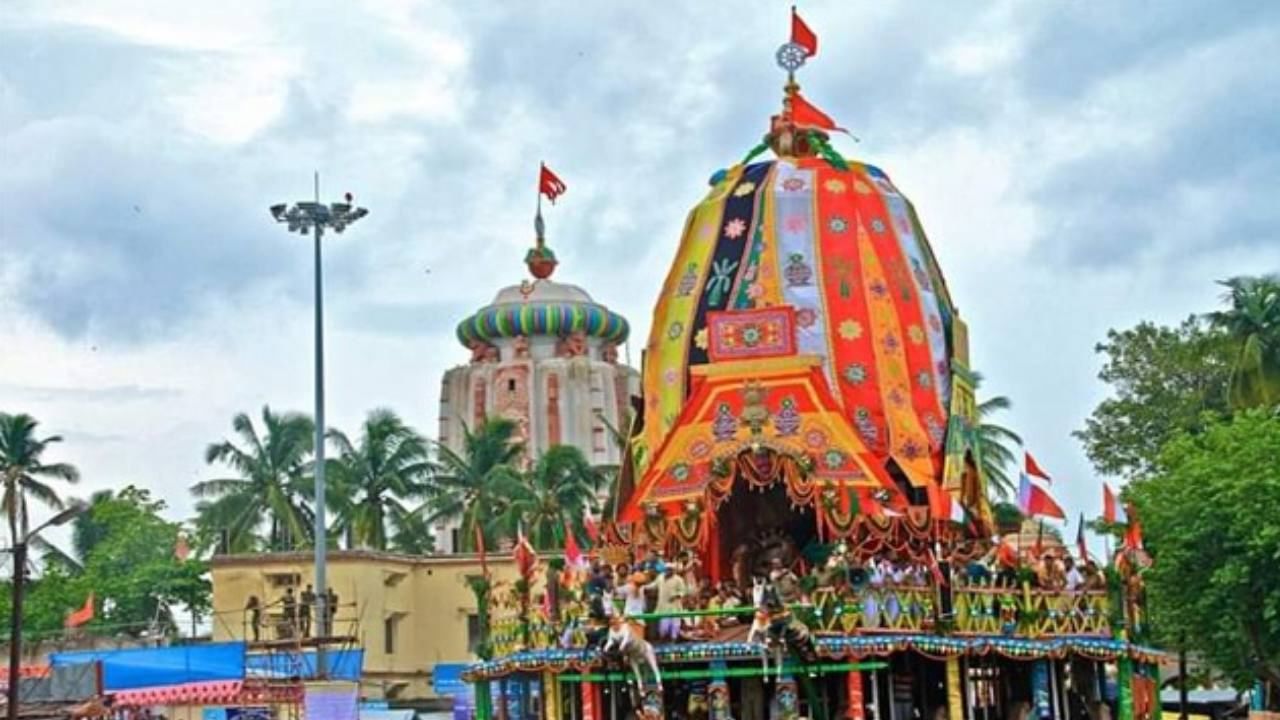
[(135, 571), (1210, 520), (1253, 323), (467, 486), (25, 472), (411, 534), (1164, 381), (271, 467), (372, 479), (132, 570), (551, 498)]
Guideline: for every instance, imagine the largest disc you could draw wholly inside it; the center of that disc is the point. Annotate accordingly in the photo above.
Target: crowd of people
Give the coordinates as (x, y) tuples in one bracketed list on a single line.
[(657, 585)]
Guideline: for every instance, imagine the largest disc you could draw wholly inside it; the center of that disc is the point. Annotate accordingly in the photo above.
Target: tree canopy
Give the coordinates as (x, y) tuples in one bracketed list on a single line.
[(1209, 509), (1164, 380)]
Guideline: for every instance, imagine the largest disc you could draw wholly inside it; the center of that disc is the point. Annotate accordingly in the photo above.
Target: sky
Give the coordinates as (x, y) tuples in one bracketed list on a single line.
[(1077, 167)]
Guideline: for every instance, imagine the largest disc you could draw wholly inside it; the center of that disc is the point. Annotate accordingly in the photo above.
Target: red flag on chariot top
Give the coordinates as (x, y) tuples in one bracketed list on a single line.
[(805, 114), (1112, 511), (1034, 469), (525, 556), (593, 530), (550, 185), (801, 34), (79, 617), (1035, 501)]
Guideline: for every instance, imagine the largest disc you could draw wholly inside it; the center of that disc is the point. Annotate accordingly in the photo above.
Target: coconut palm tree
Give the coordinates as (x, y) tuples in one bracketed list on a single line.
[(1253, 322), (270, 466), (371, 479), (551, 498), (995, 443), (410, 532), (24, 472), (467, 486)]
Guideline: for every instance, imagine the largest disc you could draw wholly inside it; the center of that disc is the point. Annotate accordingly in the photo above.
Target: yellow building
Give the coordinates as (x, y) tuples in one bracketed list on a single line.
[(408, 613)]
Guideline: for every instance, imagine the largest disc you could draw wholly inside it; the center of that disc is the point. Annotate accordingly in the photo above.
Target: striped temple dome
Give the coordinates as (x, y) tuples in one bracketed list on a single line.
[(542, 308)]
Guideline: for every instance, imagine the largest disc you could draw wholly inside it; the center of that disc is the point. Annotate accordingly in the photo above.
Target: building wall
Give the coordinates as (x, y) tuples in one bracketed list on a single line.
[(426, 597)]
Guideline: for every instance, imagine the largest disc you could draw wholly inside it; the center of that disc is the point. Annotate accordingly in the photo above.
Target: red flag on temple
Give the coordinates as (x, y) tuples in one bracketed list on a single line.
[(81, 616), (801, 34), (550, 185)]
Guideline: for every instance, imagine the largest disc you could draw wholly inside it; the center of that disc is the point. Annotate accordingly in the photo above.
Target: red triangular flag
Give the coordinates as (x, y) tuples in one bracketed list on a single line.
[(83, 615), (550, 185), (801, 34), (1034, 470), (1133, 535), (525, 556), (1033, 501), (804, 114), (1112, 512), (593, 530), (572, 553), (484, 561)]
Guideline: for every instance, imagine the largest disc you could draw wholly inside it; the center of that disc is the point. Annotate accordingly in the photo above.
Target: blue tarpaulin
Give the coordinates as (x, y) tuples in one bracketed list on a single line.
[(151, 667), (339, 664)]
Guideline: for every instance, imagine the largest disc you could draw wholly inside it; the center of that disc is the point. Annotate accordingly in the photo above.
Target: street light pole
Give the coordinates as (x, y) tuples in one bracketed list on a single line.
[(304, 218), (15, 619)]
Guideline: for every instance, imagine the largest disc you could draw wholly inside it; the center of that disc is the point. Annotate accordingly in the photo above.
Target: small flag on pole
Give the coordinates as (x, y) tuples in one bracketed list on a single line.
[(1081, 547), (1035, 501), (573, 557), (550, 185), (525, 556), (801, 34), (1034, 470), (1133, 534), (806, 114), (1112, 511), (79, 617)]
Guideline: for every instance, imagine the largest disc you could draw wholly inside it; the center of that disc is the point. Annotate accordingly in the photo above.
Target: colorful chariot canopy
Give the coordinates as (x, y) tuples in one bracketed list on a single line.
[(805, 316)]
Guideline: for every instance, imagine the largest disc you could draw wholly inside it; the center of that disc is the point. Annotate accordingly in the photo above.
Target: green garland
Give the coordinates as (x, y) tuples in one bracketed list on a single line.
[(828, 153)]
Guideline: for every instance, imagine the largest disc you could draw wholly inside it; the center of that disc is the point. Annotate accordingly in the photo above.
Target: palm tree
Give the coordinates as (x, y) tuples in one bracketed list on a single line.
[(995, 444), (467, 486), (25, 473), (370, 479), (411, 533), (1253, 322), (270, 466), (551, 498)]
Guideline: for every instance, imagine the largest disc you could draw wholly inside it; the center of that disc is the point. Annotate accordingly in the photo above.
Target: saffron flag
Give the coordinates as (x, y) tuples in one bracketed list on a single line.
[(573, 557), (1034, 501), (1081, 547), (805, 114), (79, 617), (801, 34), (525, 556), (550, 185), (944, 507), (1034, 469), (1112, 511), (1133, 534), (1006, 556)]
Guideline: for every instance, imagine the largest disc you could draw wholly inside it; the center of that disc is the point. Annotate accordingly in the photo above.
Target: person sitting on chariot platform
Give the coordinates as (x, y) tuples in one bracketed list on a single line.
[(784, 581)]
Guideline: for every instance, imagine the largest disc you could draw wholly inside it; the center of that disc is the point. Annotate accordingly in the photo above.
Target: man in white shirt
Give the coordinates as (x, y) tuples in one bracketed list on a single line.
[(1074, 579), (671, 591)]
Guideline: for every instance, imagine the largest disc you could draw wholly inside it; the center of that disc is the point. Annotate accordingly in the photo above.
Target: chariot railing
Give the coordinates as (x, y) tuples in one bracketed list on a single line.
[(975, 610)]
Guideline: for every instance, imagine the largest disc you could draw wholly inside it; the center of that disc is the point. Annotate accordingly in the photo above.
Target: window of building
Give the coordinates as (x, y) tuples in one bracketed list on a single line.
[(389, 635), (511, 385), (454, 546), (473, 633)]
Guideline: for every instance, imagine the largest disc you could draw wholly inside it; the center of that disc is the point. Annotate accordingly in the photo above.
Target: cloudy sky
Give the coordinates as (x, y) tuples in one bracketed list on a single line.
[(1078, 166)]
